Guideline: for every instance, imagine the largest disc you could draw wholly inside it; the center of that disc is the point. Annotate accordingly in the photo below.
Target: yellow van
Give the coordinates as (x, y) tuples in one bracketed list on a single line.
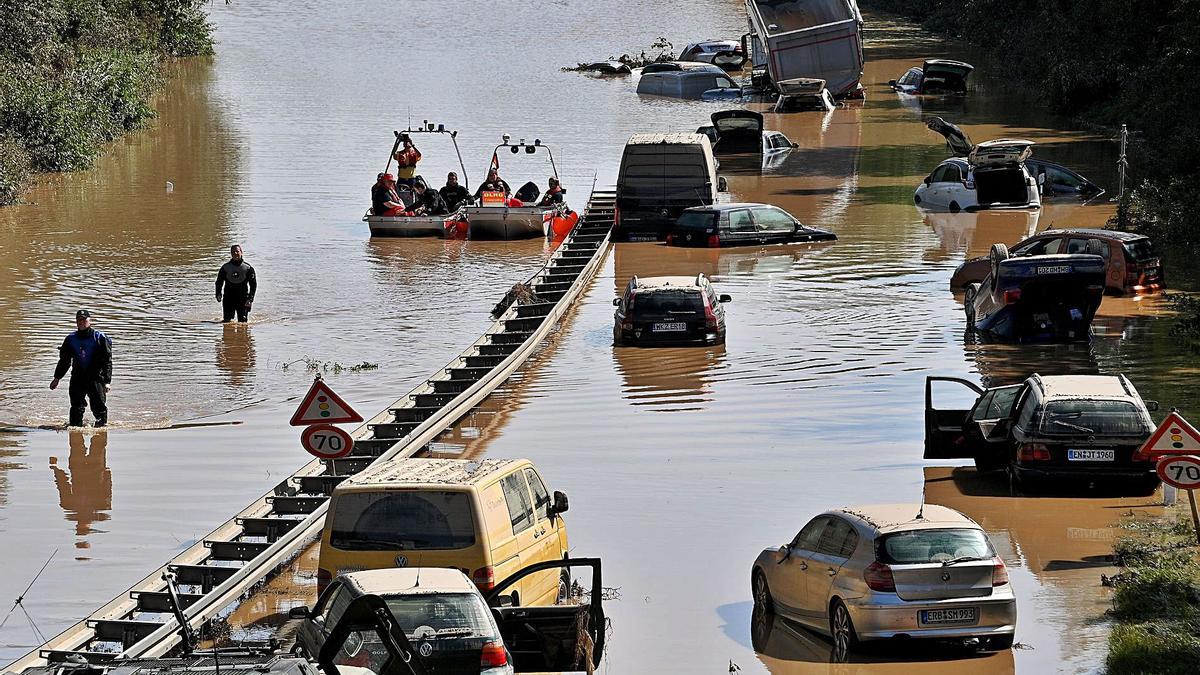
[(488, 518)]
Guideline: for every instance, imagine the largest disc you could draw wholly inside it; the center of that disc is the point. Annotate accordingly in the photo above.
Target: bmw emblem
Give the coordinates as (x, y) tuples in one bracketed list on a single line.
[(426, 649), (401, 561), (945, 576)]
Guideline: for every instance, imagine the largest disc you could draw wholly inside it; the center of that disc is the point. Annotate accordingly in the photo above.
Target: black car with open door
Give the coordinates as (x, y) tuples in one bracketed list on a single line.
[(551, 637), (1049, 430), (737, 132)]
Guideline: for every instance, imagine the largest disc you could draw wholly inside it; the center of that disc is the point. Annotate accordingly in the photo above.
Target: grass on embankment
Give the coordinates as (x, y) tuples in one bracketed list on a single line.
[(76, 74), (1156, 598)]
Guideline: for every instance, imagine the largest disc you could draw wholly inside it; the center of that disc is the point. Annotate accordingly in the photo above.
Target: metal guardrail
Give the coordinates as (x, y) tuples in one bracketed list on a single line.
[(273, 529)]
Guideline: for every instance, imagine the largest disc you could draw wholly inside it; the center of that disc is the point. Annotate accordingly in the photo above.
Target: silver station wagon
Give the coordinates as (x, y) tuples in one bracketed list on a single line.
[(890, 571)]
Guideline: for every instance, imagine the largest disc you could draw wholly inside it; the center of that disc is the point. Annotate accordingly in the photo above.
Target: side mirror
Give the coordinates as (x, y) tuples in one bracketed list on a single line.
[(784, 553), (616, 302), (1152, 405), (298, 612), (722, 184), (795, 145), (725, 298), (503, 601), (927, 180), (560, 504), (892, 83)]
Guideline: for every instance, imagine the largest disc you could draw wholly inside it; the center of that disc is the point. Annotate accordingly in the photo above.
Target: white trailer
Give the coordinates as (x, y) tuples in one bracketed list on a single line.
[(818, 39)]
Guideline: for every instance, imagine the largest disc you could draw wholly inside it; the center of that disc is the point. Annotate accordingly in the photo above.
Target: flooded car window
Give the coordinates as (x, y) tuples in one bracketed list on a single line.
[(930, 546), (696, 220), (1140, 250), (442, 616), (408, 521), (670, 302), (1092, 417)]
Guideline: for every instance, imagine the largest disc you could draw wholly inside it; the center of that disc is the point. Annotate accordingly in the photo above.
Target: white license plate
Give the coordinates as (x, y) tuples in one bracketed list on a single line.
[(1057, 269), (1092, 455), (941, 617), (666, 327)]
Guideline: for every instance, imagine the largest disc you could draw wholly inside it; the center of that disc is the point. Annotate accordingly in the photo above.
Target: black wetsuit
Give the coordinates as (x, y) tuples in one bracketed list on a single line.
[(240, 285), (454, 195), (432, 202), (88, 354)]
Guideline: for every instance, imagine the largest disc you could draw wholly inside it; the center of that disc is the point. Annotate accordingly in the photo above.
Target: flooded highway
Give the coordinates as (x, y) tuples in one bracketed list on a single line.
[(681, 464)]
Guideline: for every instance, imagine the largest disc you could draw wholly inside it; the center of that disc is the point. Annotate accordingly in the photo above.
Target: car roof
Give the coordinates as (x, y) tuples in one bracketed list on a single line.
[(429, 472), (1083, 386), (661, 283), (408, 581), (1094, 232), (668, 138), (960, 162), (726, 207), (887, 518)]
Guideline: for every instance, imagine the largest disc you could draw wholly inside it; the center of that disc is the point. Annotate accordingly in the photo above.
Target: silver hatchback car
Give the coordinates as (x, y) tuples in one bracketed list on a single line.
[(892, 570)]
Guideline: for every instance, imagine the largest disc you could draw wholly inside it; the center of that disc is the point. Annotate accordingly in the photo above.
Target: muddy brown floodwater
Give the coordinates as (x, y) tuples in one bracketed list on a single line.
[(681, 464)]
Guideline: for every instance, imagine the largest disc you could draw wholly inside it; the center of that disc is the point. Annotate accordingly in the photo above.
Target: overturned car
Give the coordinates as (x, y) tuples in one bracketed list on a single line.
[(1037, 298)]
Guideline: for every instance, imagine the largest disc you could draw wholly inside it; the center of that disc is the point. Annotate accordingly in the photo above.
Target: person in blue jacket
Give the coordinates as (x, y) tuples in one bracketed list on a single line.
[(88, 354)]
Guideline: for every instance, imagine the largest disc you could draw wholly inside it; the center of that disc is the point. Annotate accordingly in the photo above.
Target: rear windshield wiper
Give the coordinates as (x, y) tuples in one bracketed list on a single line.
[(1072, 426), (965, 558)]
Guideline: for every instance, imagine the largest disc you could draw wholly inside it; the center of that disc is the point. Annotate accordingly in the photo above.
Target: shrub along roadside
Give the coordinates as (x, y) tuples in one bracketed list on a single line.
[(1156, 598), (76, 75)]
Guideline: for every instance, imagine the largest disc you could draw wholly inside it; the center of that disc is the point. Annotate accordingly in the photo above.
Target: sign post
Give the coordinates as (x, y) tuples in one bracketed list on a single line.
[(1183, 471), (318, 411)]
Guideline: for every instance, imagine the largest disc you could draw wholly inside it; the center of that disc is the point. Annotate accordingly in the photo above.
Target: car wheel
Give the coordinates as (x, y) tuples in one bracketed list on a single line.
[(969, 304), (916, 199), (564, 588), (841, 628), (997, 643), (762, 592), (954, 207)]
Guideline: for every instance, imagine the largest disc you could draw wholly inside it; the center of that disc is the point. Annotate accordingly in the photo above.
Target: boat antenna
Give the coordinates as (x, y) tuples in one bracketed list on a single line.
[(921, 511), (418, 584), (21, 597)]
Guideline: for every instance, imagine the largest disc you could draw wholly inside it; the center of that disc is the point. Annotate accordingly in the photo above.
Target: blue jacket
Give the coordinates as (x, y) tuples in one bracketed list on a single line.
[(88, 353)]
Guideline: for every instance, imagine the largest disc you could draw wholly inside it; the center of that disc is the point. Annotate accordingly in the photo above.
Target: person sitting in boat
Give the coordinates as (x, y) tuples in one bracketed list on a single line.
[(406, 161), (453, 193), (554, 193), (384, 199), (429, 202), (494, 183)]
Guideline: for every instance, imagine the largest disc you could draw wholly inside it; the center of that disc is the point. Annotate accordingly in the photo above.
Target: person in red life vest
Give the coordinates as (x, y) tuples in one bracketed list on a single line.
[(406, 161), (384, 199), (554, 193)]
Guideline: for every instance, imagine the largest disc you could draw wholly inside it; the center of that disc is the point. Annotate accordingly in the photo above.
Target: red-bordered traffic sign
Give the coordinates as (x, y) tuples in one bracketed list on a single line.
[(1173, 437), (326, 441), (321, 406), (1182, 471)]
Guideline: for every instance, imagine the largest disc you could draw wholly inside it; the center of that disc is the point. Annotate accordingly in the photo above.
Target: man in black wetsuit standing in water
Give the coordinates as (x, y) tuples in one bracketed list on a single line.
[(87, 353), (239, 282)]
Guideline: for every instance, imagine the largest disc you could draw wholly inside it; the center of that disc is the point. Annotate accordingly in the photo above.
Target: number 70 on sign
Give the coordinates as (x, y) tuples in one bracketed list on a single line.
[(1183, 472), (326, 441)]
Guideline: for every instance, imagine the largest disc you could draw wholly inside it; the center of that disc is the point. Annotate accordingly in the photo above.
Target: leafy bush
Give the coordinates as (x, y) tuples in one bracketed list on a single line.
[(76, 74)]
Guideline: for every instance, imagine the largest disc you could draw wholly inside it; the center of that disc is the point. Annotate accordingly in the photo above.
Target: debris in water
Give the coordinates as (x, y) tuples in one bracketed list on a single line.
[(660, 50), (522, 294), (314, 366)]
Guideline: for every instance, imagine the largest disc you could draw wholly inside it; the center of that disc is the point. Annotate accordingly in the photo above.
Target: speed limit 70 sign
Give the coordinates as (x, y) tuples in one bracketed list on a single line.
[(326, 441), (1181, 471)]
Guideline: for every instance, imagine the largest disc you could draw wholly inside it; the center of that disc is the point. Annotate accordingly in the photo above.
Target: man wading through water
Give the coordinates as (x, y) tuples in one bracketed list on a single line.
[(237, 276), (88, 353)]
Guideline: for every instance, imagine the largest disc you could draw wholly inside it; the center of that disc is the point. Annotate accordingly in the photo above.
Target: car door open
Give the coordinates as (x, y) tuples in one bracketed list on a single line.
[(547, 638), (945, 435)]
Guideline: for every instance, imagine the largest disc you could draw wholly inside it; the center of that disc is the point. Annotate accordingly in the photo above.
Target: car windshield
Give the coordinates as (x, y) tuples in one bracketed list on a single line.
[(1140, 250), (695, 220), (442, 616), (916, 547), (670, 302), (1091, 417), (402, 521)]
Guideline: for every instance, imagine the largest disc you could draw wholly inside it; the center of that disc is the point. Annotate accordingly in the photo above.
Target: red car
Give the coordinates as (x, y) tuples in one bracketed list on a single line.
[(1134, 270)]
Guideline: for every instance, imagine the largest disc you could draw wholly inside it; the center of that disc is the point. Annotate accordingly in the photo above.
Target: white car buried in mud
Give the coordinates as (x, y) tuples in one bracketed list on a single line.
[(992, 176)]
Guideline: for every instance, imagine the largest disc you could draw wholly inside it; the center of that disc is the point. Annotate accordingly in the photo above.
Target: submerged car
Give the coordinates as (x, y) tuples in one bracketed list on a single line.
[(741, 224), (1056, 180), (664, 311), (1037, 297), (740, 132), (992, 175), (456, 629), (724, 53), (935, 76), (686, 80), (889, 571), (1049, 430), (802, 94), (1131, 265)]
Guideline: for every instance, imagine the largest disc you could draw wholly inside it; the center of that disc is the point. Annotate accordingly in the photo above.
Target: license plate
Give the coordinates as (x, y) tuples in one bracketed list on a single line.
[(1092, 455), (665, 327), (1056, 269), (942, 617)]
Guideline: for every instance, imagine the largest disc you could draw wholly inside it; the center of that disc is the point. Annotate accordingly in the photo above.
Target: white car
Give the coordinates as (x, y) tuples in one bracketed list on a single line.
[(724, 53), (993, 176)]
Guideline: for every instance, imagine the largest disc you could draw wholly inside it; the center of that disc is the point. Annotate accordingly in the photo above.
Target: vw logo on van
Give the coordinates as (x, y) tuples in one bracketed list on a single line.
[(945, 576), (401, 561), (426, 649)]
